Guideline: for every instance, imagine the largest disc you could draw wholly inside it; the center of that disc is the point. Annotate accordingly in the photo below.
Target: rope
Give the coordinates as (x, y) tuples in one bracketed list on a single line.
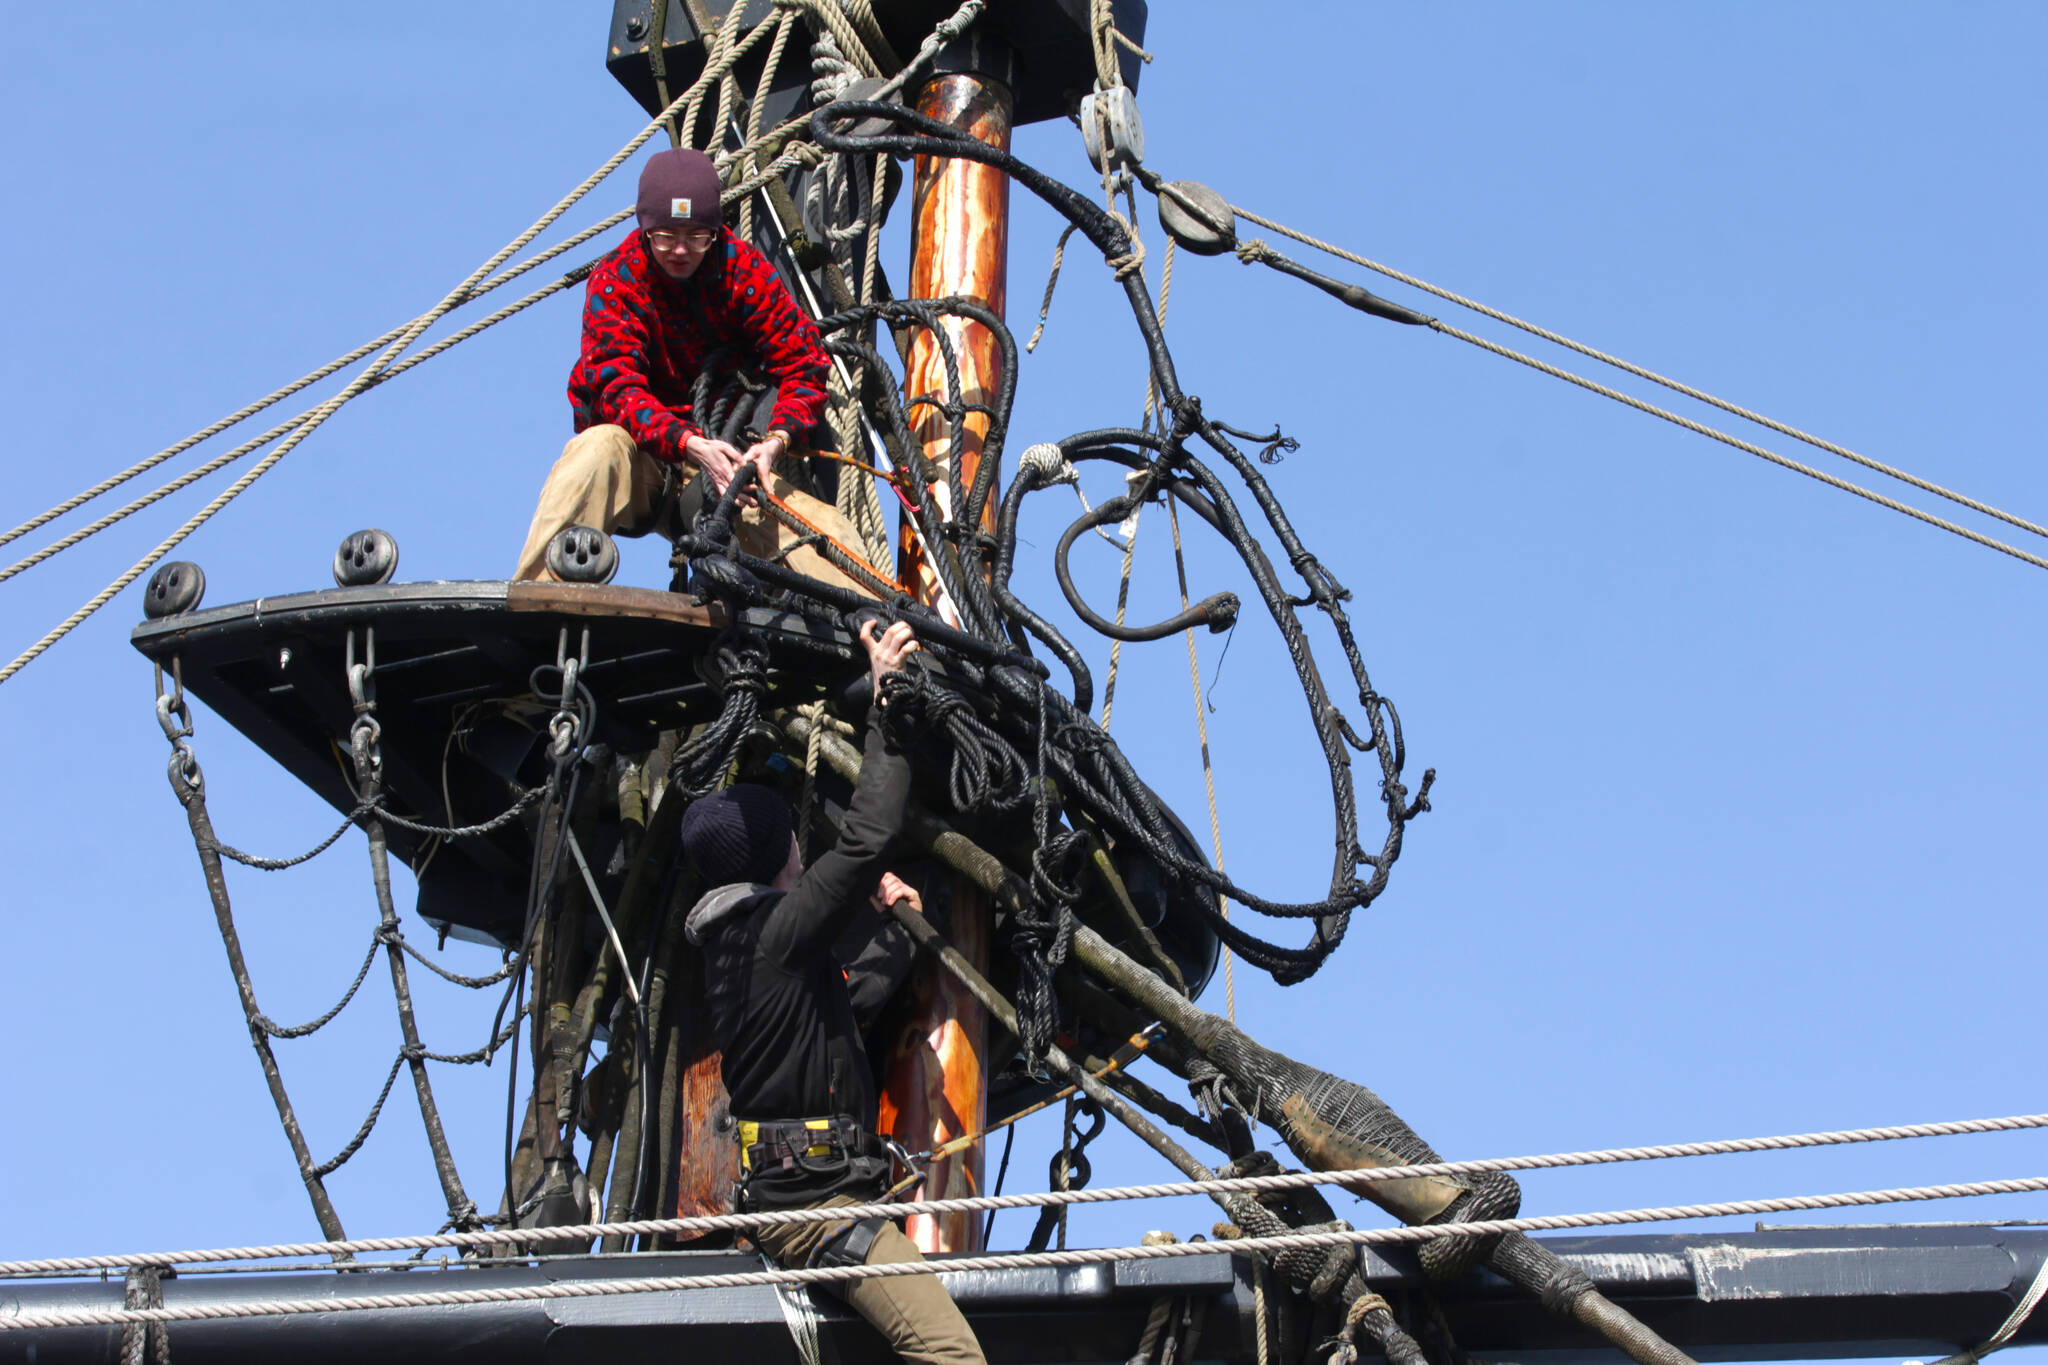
[(220, 461), (303, 381), (276, 1030), (1298, 1241), (1123, 602), (1180, 568), (1259, 1312), (1292, 1180), (107, 594), (475, 983), (1711, 433), (814, 712), (784, 23), (1104, 37), (1130, 540), (355, 1144), (411, 332), (1126, 1054), (363, 808), (856, 497), (280, 864), (1641, 372), (799, 1315), (1059, 256)]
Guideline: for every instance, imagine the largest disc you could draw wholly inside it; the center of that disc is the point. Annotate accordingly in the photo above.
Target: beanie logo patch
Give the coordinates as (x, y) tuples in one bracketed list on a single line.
[(679, 208)]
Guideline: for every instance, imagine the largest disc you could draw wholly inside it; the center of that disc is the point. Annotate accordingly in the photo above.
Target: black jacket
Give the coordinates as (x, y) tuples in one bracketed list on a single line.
[(779, 1003)]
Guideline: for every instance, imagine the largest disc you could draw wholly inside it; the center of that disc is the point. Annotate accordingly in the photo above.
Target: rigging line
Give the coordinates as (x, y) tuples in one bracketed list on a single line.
[(1180, 567), (1130, 525), (312, 377), (783, 25), (1714, 434), (1105, 1194), (1783, 429), (1294, 1241), (1121, 1060), (456, 296), (222, 460), (611, 932)]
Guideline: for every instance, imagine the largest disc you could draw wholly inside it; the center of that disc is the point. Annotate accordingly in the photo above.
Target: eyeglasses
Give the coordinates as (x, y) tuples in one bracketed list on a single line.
[(696, 239)]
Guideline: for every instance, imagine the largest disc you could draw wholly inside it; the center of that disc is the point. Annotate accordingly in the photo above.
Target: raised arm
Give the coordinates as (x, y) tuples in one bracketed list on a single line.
[(835, 887)]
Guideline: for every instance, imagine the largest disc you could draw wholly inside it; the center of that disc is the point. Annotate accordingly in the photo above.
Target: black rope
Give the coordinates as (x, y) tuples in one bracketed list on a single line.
[(700, 766), (355, 1144), (275, 1030), (474, 983), (363, 808)]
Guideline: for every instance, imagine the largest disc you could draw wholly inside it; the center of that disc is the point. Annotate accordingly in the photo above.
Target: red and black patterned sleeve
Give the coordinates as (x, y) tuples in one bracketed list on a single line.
[(610, 382), (781, 334)]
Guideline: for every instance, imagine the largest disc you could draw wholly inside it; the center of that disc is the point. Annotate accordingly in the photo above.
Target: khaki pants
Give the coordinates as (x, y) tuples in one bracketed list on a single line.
[(914, 1312), (603, 480)]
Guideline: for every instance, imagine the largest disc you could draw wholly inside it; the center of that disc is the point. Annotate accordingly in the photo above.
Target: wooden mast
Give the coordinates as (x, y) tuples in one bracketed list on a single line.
[(934, 1082)]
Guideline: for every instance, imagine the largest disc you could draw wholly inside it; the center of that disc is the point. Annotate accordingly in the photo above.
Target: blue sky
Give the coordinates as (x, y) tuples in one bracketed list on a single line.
[(1740, 793)]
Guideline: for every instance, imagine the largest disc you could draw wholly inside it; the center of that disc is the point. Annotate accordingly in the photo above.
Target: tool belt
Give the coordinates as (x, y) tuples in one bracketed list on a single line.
[(814, 1144)]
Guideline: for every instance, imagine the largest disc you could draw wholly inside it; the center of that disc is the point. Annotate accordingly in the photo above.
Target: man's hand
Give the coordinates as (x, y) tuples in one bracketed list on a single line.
[(721, 460), (887, 649), (764, 453), (892, 890)]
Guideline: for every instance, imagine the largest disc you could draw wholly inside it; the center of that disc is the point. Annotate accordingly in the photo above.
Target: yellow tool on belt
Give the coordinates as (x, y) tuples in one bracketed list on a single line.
[(750, 1138)]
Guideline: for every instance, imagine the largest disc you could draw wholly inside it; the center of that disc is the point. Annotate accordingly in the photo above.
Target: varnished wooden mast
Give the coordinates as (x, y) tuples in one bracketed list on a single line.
[(935, 1086)]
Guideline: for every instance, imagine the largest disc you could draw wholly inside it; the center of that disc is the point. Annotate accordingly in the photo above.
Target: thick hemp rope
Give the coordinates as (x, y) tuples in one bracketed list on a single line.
[(306, 380), (562, 1289), (65, 1265)]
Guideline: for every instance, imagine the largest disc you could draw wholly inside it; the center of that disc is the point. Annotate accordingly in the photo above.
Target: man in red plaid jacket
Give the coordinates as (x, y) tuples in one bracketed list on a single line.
[(681, 292)]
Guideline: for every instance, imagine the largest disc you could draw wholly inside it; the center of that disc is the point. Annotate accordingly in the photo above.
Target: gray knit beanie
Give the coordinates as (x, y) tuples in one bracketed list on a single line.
[(738, 835), (679, 188)]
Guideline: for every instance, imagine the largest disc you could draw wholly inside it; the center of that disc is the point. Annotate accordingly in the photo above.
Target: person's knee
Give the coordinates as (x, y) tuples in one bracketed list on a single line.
[(596, 448)]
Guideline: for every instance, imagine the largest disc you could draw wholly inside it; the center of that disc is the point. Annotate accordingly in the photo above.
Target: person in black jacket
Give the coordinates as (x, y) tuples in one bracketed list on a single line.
[(799, 1080)]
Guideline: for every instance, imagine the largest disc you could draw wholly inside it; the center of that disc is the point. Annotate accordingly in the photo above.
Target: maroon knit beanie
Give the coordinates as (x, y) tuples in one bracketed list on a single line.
[(678, 188), (740, 834)]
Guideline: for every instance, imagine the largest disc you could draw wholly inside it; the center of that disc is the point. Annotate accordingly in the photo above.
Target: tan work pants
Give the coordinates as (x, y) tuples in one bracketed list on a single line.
[(914, 1312), (603, 480)]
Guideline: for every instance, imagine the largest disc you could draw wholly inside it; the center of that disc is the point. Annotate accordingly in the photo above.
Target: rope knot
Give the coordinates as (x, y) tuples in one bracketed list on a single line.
[(1254, 252), (1048, 462), (1128, 264)]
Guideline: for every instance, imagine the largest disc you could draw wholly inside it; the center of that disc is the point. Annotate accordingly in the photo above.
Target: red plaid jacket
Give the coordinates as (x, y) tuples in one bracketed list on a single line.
[(647, 337)]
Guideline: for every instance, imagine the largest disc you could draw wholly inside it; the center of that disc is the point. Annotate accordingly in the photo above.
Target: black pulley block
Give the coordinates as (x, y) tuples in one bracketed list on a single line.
[(367, 557), (175, 587), (583, 554)]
